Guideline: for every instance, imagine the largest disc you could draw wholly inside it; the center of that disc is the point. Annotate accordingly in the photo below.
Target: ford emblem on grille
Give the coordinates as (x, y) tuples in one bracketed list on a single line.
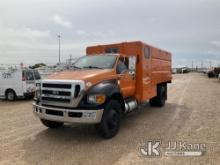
[(55, 92)]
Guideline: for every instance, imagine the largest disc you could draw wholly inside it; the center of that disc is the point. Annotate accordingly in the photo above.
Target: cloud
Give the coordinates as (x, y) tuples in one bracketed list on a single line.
[(95, 34), (215, 43), (213, 52), (82, 33), (188, 29), (33, 33), (24, 32), (62, 22)]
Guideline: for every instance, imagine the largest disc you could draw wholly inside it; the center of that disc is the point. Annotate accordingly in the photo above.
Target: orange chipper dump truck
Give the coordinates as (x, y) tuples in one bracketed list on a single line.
[(110, 81)]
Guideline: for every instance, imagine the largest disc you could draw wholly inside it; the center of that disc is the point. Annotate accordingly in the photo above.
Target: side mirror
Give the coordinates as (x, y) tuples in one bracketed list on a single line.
[(132, 65)]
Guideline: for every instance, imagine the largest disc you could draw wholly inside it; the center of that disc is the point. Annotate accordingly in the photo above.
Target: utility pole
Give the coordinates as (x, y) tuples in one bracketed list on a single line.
[(58, 36), (70, 61)]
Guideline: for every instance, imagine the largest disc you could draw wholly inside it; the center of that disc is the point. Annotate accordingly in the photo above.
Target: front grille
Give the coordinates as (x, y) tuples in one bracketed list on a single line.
[(64, 86), (56, 113), (56, 99), (61, 93)]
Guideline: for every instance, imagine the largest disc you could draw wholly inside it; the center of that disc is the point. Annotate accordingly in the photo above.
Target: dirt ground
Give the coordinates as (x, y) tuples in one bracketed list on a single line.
[(192, 114)]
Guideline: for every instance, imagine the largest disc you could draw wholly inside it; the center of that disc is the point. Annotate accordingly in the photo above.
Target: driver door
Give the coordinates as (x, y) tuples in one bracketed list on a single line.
[(126, 79)]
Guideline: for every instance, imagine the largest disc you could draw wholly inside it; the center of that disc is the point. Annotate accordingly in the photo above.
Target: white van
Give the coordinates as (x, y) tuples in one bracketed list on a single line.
[(17, 83)]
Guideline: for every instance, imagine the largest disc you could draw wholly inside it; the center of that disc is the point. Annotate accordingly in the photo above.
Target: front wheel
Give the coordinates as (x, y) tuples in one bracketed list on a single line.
[(51, 124), (110, 122)]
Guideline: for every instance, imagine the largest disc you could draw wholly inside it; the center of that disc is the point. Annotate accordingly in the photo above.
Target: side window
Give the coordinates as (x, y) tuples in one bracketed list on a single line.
[(29, 76), (111, 50), (122, 65), (147, 52), (37, 75)]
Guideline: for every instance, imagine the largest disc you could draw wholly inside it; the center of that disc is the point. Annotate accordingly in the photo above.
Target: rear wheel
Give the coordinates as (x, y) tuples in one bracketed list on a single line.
[(111, 118), (51, 124), (161, 97), (10, 95)]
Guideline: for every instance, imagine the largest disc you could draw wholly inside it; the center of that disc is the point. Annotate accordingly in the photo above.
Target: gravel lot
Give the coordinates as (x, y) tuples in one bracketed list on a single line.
[(192, 114)]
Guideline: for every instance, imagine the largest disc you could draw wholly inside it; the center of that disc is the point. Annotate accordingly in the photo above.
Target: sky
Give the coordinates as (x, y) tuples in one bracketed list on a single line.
[(190, 29)]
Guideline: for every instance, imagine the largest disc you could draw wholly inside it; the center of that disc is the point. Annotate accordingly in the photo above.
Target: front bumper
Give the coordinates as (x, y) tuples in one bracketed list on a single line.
[(68, 115)]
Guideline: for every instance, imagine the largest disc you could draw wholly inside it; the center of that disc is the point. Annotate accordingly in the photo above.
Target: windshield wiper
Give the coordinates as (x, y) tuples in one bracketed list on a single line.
[(92, 67)]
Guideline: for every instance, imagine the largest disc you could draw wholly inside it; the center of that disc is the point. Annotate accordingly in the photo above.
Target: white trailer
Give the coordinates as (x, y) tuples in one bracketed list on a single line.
[(17, 83)]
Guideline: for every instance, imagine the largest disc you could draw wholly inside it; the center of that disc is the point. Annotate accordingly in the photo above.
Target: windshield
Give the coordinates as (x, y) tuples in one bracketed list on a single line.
[(96, 61)]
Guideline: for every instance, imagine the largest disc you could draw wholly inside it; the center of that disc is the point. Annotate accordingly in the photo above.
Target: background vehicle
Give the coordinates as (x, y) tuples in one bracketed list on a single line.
[(217, 71), (17, 83), (110, 81), (214, 72), (183, 70)]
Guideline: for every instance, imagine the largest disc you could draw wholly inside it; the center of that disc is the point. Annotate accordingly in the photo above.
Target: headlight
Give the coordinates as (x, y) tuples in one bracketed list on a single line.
[(96, 99), (88, 84)]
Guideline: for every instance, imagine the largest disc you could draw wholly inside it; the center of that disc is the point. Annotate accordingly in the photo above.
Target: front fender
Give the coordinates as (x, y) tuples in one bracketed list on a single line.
[(109, 88)]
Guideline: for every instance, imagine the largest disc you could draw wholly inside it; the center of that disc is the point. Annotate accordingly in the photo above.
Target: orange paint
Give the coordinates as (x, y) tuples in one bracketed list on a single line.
[(153, 67), (150, 71)]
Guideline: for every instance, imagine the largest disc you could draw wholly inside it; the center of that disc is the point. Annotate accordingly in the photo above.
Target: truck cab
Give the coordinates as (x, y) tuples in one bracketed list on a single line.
[(111, 80)]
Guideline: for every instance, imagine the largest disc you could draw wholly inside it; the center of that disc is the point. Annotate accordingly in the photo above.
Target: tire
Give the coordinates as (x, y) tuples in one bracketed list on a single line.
[(51, 124), (111, 119), (160, 99), (10, 95)]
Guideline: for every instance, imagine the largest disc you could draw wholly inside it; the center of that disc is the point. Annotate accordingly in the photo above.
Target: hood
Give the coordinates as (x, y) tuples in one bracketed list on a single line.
[(91, 75)]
